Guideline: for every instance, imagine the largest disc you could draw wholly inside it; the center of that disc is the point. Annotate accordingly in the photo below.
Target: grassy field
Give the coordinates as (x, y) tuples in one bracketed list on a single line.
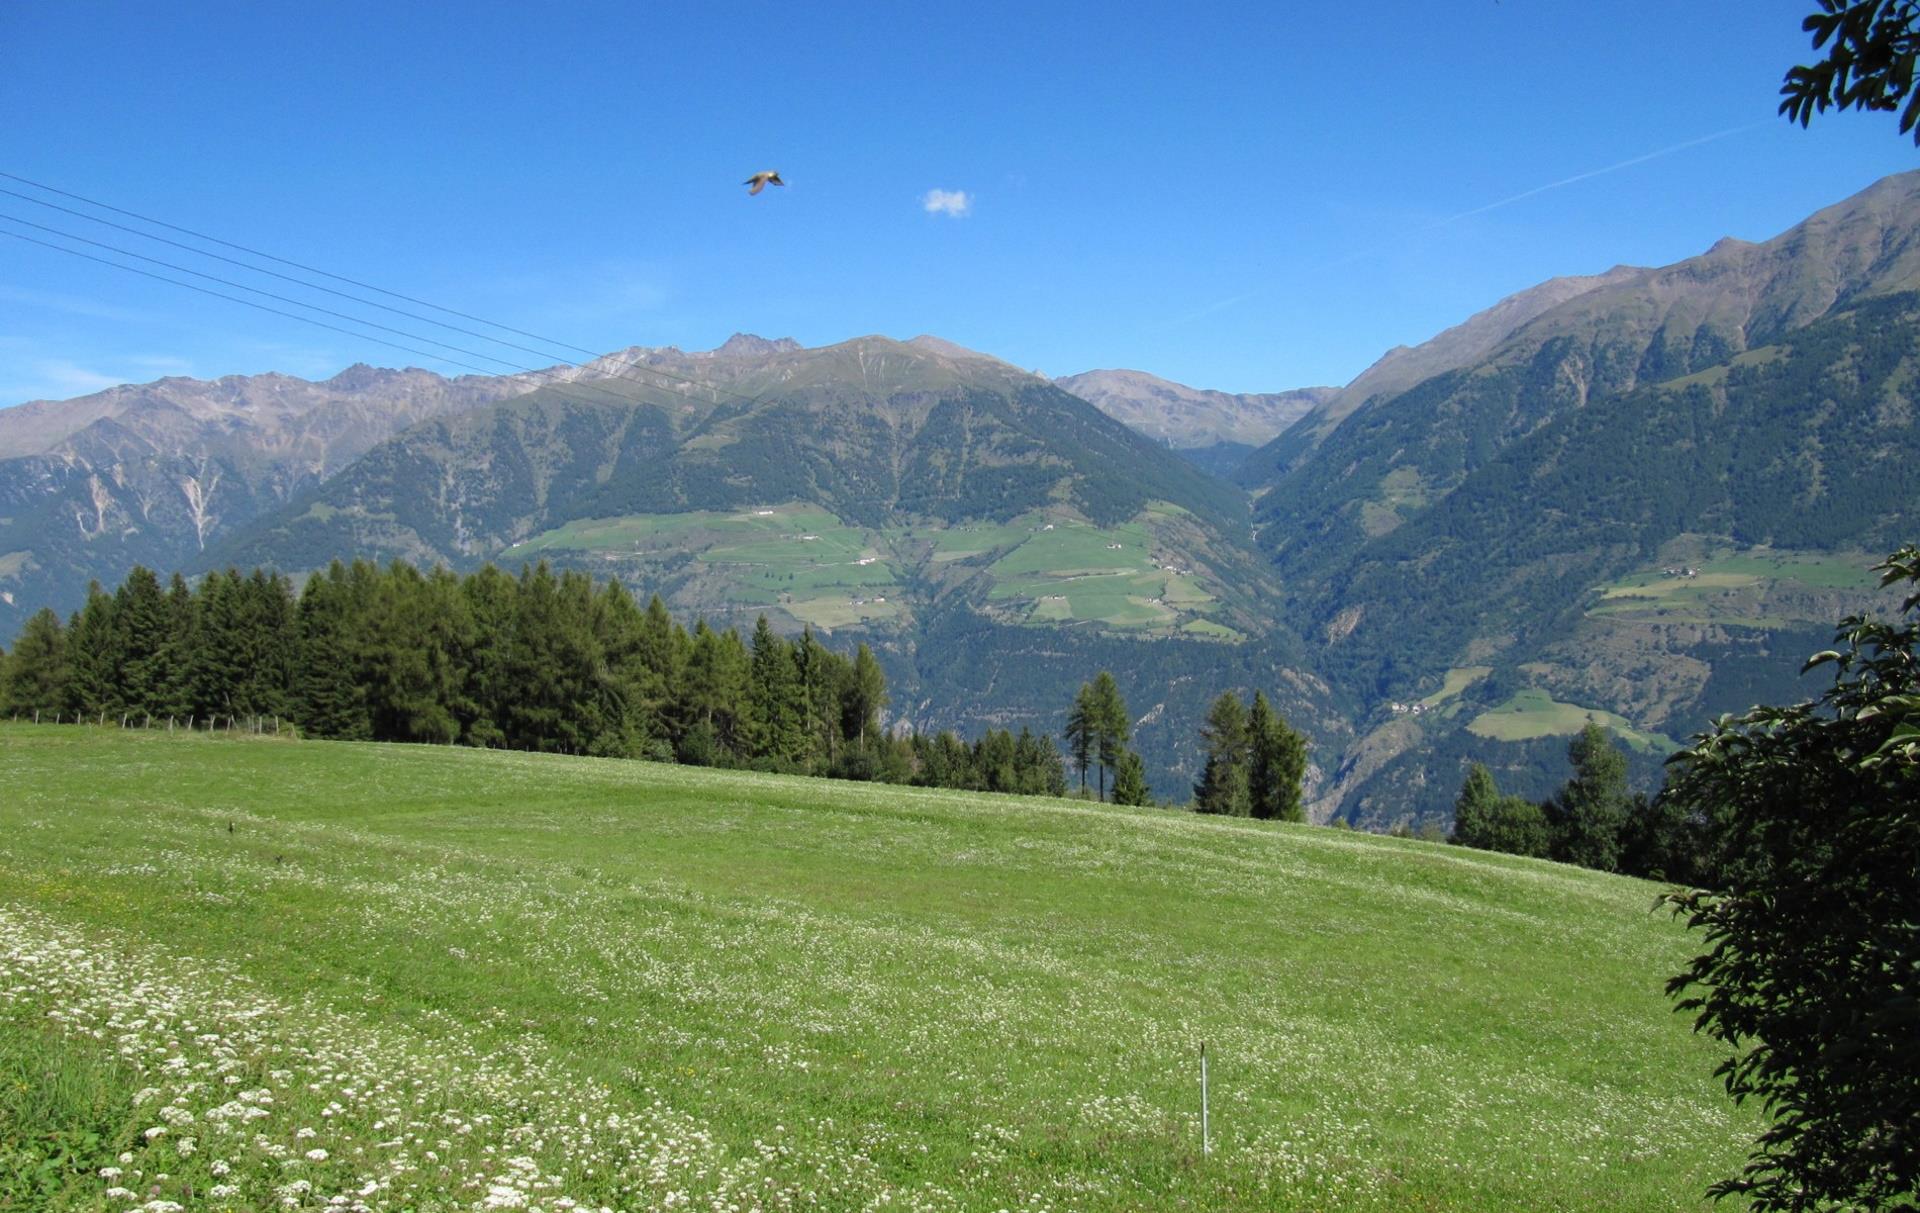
[(1533, 713), (1042, 568), (1070, 571), (1759, 588), (254, 973), (797, 557)]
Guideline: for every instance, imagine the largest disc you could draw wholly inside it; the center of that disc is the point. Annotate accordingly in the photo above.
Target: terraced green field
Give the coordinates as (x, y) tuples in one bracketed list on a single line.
[(1042, 568), (1532, 713), (251, 974), (1071, 571), (799, 558), (1757, 588)]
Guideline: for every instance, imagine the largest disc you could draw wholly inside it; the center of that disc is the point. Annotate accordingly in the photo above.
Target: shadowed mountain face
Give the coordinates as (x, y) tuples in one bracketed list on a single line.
[(1635, 501)]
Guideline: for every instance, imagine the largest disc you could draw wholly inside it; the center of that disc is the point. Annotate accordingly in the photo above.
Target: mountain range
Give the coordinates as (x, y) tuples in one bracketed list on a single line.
[(1638, 497)]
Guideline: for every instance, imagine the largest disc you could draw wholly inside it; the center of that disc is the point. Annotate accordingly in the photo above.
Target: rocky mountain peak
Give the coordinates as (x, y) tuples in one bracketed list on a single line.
[(749, 345)]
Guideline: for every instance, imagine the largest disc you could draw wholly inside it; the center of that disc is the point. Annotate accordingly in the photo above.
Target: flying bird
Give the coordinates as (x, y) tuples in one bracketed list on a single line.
[(760, 181)]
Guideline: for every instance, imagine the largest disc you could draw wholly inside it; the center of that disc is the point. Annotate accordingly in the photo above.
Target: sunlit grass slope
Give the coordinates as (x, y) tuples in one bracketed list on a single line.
[(258, 974)]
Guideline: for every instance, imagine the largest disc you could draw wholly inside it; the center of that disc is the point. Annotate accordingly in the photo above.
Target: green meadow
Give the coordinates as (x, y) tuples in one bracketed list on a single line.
[(1042, 568), (800, 558), (1737, 588), (1532, 713), (251, 973)]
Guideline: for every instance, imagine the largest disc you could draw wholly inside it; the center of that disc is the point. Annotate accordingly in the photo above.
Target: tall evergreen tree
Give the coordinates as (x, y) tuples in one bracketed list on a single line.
[(37, 676), (94, 655), (141, 610), (1115, 729), (1276, 764), (328, 698), (1590, 811), (1473, 808), (863, 697), (1082, 732), (1223, 781), (778, 712), (1130, 780)]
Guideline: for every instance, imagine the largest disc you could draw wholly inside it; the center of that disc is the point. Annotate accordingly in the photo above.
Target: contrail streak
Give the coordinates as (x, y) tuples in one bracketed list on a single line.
[(1600, 172), (1219, 305)]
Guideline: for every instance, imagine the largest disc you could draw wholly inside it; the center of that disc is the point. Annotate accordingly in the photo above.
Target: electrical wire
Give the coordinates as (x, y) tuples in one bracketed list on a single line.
[(708, 391), (241, 286)]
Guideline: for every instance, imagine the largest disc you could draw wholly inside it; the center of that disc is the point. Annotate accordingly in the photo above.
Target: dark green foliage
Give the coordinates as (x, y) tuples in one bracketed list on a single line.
[(544, 662), (1130, 780), (1489, 821), (1588, 814), (862, 696), (1223, 781), (1276, 763), (1814, 944), (326, 688), (95, 655), (1869, 65), (143, 631), (1112, 729), (1082, 731), (37, 679)]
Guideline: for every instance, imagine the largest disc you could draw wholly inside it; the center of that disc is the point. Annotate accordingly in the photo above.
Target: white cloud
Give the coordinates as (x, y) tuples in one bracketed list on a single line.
[(956, 204)]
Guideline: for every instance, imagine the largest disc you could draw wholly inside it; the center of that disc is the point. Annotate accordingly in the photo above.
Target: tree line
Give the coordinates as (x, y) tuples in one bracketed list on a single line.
[(553, 661), (1594, 820), (544, 661)]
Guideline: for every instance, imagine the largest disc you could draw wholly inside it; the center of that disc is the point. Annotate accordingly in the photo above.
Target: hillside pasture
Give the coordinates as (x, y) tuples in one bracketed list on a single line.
[(1531, 714), (247, 973), (1759, 588)]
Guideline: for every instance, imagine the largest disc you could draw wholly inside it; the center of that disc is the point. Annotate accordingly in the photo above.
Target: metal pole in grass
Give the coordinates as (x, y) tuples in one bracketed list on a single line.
[(1206, 1144)]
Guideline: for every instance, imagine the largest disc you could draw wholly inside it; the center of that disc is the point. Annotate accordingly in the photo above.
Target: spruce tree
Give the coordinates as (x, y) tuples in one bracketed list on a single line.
[(865, 694), (1114, 730), (1590, 811), (37, 675), (94, 656), (328, 699), (141, 607), (1130, 780), (1082, 732), (778, 715), (1473, 809), (1277, 762), (1223, 781)]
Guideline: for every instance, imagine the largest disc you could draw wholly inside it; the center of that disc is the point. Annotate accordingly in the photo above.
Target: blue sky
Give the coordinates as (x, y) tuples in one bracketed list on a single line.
[(1249, 197)]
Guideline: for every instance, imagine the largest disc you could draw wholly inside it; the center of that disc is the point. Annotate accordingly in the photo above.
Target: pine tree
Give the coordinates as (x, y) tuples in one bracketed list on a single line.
[(37, 674), (863, 697), (1223, 781), (1590, 811), (141, 607), (1277, 762), (1082, 732), (328, 700), (1114, 729), (778, 713), (492, 602), (1130, 780), (1474, 808), (94, 656)]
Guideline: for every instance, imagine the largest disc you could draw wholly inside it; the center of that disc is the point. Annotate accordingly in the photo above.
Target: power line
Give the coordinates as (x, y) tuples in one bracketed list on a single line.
[(241, 286), (707, 389), (134, 269)]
